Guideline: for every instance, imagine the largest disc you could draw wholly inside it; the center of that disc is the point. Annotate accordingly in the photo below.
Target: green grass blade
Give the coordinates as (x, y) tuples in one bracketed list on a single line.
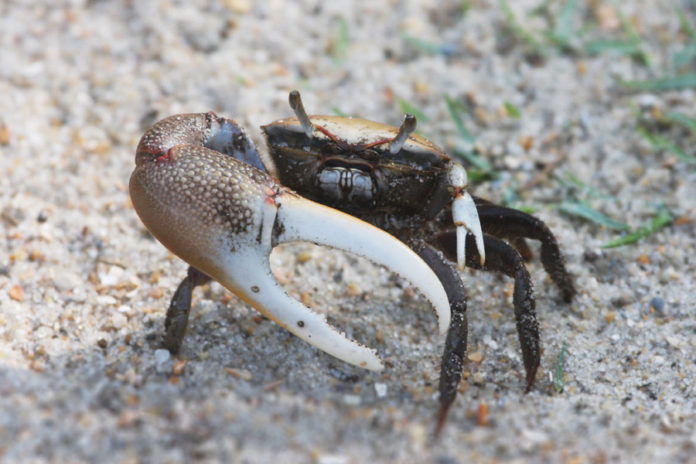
[(408, 108), (621, 47), (423, 45), (338, 112), (478, 175), (465, 151), (466, 6), (632, 33), (683, 58), (517, 29), (474, 159), (340, 46), (680, 82), (686, 25), (681, 118), (661, 219), (659, 142), (584, 211), (455, 108), (512, 110), (562, 32), (571, 181)]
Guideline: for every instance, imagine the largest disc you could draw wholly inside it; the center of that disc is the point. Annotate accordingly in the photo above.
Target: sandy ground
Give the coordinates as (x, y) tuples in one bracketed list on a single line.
[(83, 288)]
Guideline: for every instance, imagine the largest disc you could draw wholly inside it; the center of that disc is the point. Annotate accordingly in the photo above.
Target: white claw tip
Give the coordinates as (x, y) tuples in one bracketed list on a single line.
[(465, 217), (457, 176)]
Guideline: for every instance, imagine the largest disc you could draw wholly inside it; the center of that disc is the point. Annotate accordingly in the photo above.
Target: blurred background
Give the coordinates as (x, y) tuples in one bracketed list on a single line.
[(580, 112)]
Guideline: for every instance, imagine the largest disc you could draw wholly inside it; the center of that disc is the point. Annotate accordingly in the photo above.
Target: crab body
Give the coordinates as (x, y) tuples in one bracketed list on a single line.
[(200, 187), (352, 173)]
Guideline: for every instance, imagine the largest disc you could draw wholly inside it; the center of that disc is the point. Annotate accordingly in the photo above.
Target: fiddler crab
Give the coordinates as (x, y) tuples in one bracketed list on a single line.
[(371, 189)]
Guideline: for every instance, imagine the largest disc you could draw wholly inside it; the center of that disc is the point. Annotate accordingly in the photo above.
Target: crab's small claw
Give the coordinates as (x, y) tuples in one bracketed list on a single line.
[(464, 215), (223, 217)]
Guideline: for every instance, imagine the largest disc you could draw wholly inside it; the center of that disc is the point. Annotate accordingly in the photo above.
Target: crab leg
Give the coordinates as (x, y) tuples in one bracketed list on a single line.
[(223, 217)]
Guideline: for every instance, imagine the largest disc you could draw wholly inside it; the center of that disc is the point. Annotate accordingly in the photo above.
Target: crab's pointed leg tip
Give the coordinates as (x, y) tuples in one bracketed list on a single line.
[(530, 382), (441, 420)]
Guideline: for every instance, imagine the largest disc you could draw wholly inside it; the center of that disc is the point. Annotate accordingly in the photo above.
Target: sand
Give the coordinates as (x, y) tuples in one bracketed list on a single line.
[(84, 288)]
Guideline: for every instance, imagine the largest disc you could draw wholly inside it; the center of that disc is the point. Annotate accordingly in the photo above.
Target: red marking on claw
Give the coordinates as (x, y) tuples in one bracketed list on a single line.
[(167, 156), (164, 157)]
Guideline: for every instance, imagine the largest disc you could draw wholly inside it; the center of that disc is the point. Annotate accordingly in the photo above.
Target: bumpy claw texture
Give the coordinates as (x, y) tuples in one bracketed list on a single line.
[(196, 188)]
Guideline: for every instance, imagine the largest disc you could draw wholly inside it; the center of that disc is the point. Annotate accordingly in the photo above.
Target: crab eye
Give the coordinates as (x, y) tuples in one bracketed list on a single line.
[(297, 106), (405, 131)]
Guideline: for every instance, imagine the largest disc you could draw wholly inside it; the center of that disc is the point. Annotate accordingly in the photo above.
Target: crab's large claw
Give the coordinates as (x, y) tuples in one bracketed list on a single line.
[(464, 215), (223, 217)]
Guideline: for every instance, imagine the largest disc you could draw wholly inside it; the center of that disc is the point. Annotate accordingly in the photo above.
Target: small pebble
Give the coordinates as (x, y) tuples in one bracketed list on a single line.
[(178, 367), (4, 135), (482, 415), (119, 321), (381, 390), (67, 281), (16, 293), (162, 356), (238, 6), (156, 293), (239, 373), (352, 400), (353, 290), (657, 304), (332, 459), (163, 363)]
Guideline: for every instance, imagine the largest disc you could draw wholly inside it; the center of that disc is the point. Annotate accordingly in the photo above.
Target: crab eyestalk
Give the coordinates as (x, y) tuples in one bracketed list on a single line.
[(405, 130), (297, 106), (464, 215), (223, 217)]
